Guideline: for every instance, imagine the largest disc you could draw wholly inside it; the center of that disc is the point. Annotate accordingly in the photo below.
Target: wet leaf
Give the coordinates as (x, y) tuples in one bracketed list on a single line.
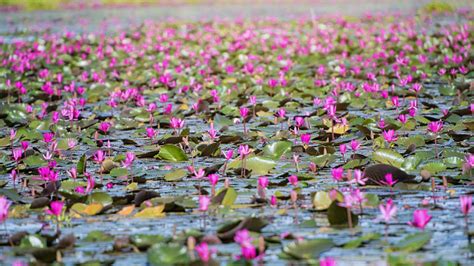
[(143, 241), (321, 200), (413, 242), (175, 175), (98, 236), (167, 254), (257, 164), (434, 167), (308, 249), (362, 239), (127, 210), (84, 209), (151, 212), (387, 156), (33, 241), (81, 164), (100, 197), (118, 172), (338, 216), (226, 197), (277, 149), (172, 153)]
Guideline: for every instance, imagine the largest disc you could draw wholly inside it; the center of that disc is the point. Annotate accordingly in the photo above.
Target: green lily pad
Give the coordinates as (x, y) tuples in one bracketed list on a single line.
[(413, 242), (308, 249), (167, 254), (175, 175), (388, 156), (277, 149), (172, 153)]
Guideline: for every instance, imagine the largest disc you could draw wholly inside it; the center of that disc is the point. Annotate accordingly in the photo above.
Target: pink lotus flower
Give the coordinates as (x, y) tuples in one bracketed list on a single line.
[(273, 200), (213, 179), (55, 208), (48, 137), (420, 219), (228, 154), (355, 145), (4, 205), (293, 179), (25, 145), (343, 149), (327, 261), (305, 138), (389, 181), (359, 177), (72, 172), (17, 154), (244, 111), (248, 251), (390, 135), (176, 123), (204, 202), (337, 173), (99, 156), (388, 211), (104, 127), (204, 252), (150, 133), (281, 112), (435, 126), (129, 158), (263, 182), (242, 236), (466, 204), (199, 174), (244, 150), (12, 134)]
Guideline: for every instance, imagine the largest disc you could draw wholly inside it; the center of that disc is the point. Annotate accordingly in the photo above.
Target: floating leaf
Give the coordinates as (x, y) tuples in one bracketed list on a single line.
[(308, 249), (167, 254), (81, 164), (172, 153), (33, 241), (226, 197), (118, 172), (98, 236), (323, 160), (337, 215), (434, 167), (413, 242), (151, 212), (84, 209), (321, 200), (176, 175), (257, 164), (360, 240), (127, 210), (100, 197), (276, 149), (387, 156)]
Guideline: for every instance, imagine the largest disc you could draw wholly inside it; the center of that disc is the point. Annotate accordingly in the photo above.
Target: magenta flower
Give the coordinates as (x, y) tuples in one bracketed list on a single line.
[(389, 181), (55, 208), (99, 156), (25, 145), (150, 133), (263, 182), (204, 252), (299, 121), (48, 137), (176, 123), (466, 204), (104, 127), (72, 172), (435, 126), (337, 173), (305, 138), (248, 251), (388, 211), (281, 112), (228, 154), (359, 177), (293, 179), (390, 135), (213, 179), (204, 202), (355, 145), (343, 149), (242, 236), (129, 158), (244, 150), (244, 111), (199, 174), (327, 261), (420, 219), (273, 200), (17, 154), (12, 134), (4, 205)]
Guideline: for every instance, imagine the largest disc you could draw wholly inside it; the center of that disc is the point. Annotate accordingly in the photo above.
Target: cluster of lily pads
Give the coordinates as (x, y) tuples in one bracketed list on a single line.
[(325, 140)]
